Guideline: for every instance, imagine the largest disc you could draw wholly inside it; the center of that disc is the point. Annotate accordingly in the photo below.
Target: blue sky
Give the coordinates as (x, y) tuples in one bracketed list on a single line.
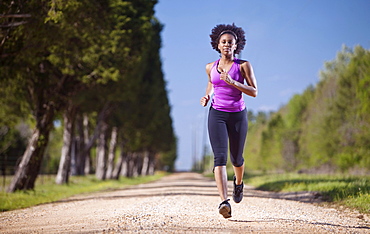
[(288, 42)]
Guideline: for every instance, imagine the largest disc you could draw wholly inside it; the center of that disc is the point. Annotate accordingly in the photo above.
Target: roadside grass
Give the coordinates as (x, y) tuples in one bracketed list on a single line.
[(349, 191), (47, 191)]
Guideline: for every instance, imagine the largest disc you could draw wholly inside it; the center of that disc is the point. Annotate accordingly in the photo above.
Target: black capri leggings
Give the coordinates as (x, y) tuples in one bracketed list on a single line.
[(224, 126)]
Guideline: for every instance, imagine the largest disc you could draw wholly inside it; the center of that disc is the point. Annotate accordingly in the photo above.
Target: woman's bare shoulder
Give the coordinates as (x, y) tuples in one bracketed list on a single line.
[(209, 66), (243, 62)]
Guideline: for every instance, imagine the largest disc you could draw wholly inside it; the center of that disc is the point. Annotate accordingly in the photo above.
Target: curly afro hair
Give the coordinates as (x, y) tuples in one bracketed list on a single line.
[(221, 29)]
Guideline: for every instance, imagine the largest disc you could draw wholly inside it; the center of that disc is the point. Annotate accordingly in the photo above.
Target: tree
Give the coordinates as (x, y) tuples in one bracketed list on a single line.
[(46, 52), (352, 123), (75, 64), (68, 135), (326, 127), (121, 52), (271, 145)]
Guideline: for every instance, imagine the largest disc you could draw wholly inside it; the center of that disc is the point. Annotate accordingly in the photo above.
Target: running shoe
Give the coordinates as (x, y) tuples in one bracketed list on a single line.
[(225, 209), (238, 192)]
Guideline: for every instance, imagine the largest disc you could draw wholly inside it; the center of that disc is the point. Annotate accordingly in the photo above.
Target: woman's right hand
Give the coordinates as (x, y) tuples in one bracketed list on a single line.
[(204, 100)]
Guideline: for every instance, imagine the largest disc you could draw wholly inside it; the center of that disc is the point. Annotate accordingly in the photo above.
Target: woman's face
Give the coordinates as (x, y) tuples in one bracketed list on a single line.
[(227, 44)]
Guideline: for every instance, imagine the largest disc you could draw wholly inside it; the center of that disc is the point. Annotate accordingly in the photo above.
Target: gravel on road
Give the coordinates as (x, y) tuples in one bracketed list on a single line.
[(183, 203)]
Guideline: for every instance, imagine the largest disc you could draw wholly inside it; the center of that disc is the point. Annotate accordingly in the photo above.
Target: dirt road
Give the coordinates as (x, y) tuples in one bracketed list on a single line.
[(182, 203)]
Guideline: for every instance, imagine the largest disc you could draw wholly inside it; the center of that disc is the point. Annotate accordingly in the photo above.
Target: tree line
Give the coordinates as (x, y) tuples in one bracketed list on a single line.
[(94, 66), (324, 129)]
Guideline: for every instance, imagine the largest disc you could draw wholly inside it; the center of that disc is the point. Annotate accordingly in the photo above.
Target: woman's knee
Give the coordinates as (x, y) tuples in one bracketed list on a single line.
[(237, 162), (220, 161)]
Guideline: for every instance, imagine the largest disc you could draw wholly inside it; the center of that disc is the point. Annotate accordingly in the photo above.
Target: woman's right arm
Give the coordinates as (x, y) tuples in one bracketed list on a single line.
[(209, 90)]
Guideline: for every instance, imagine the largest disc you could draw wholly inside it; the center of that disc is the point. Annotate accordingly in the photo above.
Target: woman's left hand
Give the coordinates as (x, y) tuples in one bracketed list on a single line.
[(226, 77)]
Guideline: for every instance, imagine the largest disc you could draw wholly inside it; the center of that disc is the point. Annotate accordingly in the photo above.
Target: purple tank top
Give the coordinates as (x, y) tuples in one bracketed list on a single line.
[(226, 97)]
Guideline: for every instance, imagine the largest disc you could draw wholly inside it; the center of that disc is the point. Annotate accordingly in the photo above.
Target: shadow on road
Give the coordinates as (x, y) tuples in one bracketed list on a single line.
[(300, 221)]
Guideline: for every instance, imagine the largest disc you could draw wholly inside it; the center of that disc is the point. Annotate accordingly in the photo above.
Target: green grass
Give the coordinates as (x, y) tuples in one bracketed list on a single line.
[(47, 191), (351, 191)]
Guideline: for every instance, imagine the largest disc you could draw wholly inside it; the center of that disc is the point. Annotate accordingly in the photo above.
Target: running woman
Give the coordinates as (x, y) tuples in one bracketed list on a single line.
[(228, 79)]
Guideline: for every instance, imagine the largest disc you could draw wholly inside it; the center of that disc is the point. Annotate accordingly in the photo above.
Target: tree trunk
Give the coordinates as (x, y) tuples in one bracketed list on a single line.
[(29, 167), (140, 163), (130, 164), (117, 168), (152, 165), (79, 156), (73, 154), (124, 166), (137, 164), (145, 169), (111, 152), (86, 152), (68, 135), (124, 159), (101, 152), (103, 115), (120, 167)]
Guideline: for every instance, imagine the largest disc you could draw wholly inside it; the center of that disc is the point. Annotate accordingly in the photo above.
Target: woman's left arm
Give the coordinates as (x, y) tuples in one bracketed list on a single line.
[(250, 88)]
